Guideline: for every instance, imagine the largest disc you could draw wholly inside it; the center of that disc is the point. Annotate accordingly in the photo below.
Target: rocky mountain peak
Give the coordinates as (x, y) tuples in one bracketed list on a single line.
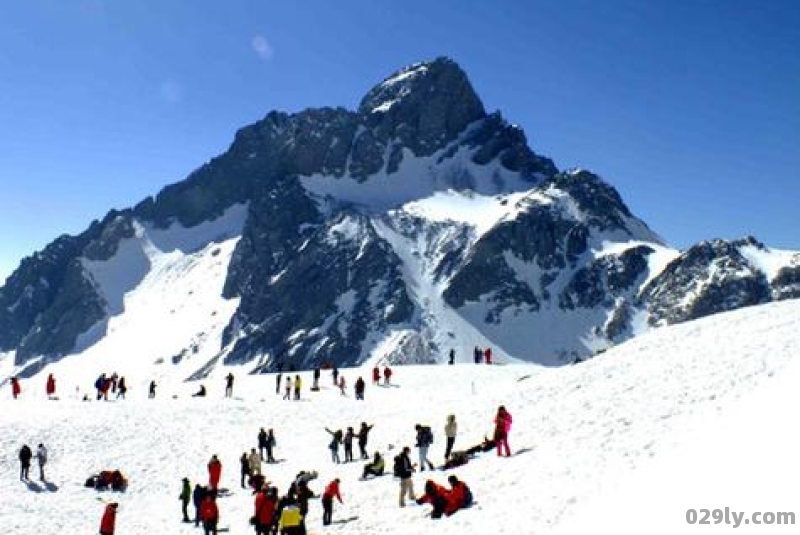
[(424, 105)]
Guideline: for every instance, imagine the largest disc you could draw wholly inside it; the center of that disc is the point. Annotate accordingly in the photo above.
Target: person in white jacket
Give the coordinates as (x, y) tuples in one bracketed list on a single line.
[(450, 430), (255, 462)]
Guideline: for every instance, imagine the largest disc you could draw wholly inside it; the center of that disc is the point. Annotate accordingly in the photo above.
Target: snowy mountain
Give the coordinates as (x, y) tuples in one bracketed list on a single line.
[(415, 224), (682, 417)]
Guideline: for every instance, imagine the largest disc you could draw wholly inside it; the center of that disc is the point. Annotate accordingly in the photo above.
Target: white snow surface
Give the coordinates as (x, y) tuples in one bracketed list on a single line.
[(689, 416), (770, 261)]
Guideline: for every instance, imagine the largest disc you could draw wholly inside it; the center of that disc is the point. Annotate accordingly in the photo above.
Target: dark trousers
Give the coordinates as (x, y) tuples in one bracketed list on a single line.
[(348, 453), (185, 509), (327, 510), (23, 473), (210, 527), (449, 447), (363, 447)]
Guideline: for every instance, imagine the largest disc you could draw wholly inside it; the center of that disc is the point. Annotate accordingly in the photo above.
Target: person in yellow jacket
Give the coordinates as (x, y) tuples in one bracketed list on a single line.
[(290, 521), (298, 384)]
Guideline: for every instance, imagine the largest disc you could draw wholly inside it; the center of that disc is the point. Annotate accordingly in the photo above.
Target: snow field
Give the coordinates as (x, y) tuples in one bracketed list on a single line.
[(619, 425)]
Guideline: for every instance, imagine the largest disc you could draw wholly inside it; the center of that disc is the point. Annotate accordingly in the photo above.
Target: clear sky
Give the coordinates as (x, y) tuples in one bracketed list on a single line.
[(690, 108)]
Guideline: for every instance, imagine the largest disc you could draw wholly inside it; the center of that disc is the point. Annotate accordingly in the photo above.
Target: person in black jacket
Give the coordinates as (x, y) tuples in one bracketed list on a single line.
[(404, 470), (25, 455), (348, 445), (363, 434), (197, 498), (245, 468)]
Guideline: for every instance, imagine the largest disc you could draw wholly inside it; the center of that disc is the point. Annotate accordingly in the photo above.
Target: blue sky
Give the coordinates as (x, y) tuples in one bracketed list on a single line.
[(691, 109)]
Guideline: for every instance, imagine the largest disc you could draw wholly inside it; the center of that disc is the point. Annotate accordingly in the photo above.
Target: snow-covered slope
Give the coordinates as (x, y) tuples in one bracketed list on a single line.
[(577, 430)]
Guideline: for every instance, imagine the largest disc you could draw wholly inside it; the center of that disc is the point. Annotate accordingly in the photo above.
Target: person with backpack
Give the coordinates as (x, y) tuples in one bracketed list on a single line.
[(348, 445), (108, 521), (214, 472), (25, 455), (334, 445), (198, 494), (209, 513), (424, 441), (502, 426), (403, 469), (331, 492), (450, 430), (41, 458), (50, 386), (185, 497), (363, 435), (375, 468), (265, 504)]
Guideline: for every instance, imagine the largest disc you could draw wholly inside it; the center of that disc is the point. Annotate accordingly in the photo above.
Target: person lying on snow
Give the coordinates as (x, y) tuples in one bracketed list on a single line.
[(108, 479)]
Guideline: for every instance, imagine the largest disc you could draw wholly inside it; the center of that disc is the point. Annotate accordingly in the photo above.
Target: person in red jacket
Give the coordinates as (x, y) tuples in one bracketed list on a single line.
[(108, 520), (460, 495), (387, 375), (50, 387), (214, 472), (438, 497), (209, 513), (487, 355), (266, 502), (331, 491), (15, 388), (376, 376), (502, 426)]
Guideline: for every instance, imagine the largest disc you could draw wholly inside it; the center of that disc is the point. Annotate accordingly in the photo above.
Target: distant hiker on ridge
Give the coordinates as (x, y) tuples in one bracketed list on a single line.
[(16, 389), (229, 385), (50, 386)]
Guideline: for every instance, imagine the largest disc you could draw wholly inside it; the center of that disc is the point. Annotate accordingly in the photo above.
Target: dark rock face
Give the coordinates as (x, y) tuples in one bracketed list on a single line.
[(708, 278), (322, 300)]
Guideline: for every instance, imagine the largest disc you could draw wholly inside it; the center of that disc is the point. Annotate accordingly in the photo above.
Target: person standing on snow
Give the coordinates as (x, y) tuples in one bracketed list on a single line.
[(122, 388), (214, 472), (502, 426), (452, 357), (404, 470), (363, 435), (255, 462), (152, 392), (334, 445), (278, 383), (109, 519), (298, 385), (359, 388), (209, 513), (50, 386), (487, 355), (271, 443), (198, 494), (331, 492), (288, 391), (450, 430), (387, 376), (376, 375), (41, 457), (16, 389), (348, 445), (342, 386), (317, 374), (424, 441), (186, 497), (25, 455), (229, 385), (265, 505), (244, 465), (477, 355)]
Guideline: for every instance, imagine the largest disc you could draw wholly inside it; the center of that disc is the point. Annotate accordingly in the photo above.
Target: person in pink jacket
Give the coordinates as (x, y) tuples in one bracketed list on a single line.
[(502, 426)]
